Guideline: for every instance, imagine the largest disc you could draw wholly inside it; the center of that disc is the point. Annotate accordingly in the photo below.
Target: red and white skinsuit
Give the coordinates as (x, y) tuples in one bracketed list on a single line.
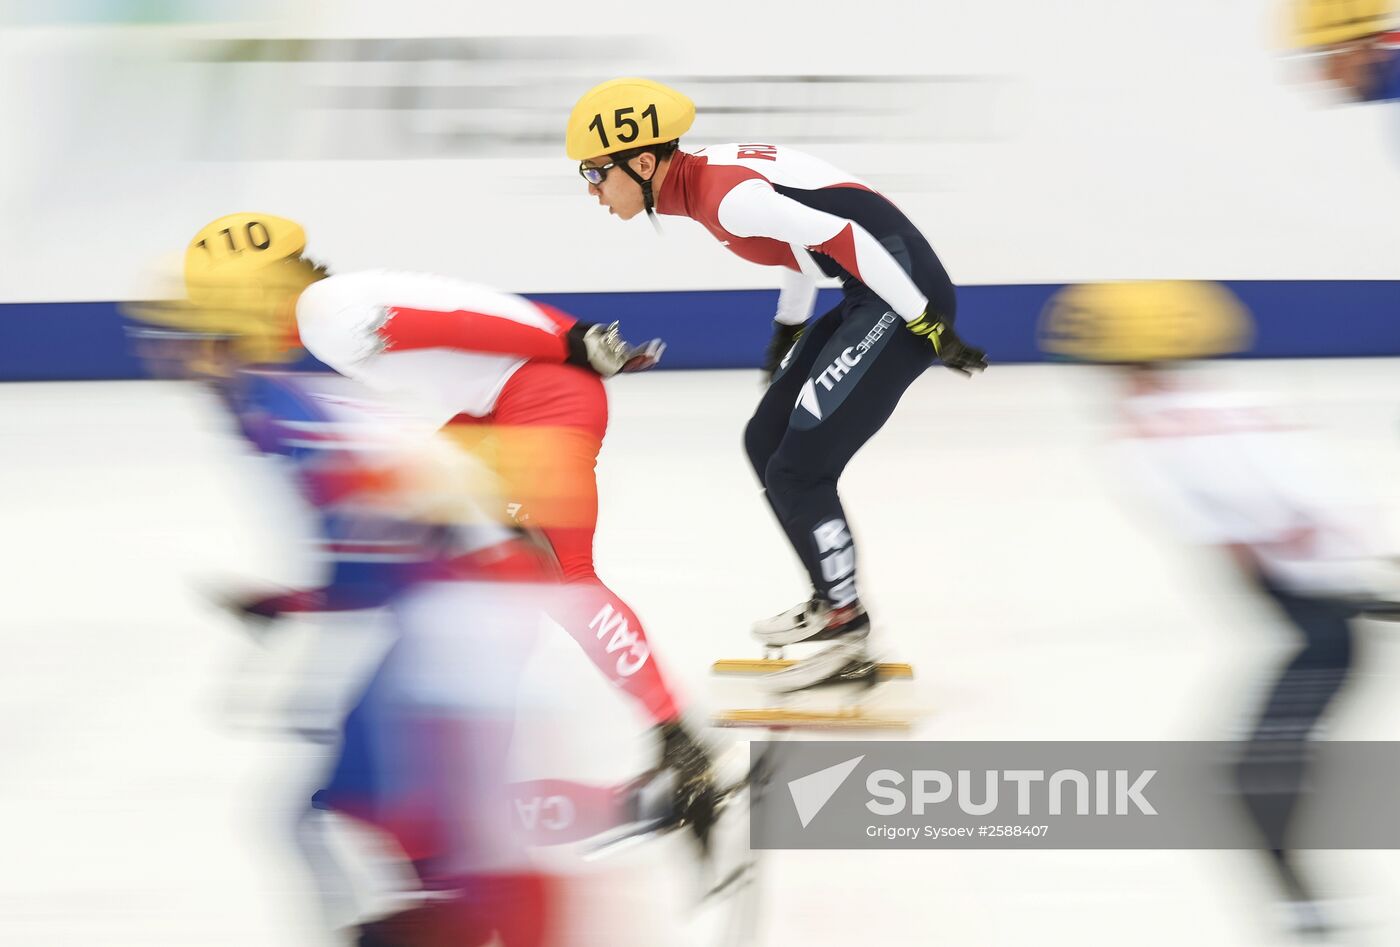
[(490, 367)]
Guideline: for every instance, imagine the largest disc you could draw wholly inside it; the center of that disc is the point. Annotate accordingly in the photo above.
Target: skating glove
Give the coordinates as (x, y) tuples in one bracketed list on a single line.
[(255, 613), (258, 612), (785, 336), (952, 351), (696, 799), (605, 351)]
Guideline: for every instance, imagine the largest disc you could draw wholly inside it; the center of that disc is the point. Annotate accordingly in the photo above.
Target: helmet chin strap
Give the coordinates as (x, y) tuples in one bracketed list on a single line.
[(648, 201)]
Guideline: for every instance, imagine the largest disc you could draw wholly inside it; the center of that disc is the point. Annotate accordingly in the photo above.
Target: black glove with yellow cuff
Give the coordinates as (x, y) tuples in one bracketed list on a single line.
[(952, 351)]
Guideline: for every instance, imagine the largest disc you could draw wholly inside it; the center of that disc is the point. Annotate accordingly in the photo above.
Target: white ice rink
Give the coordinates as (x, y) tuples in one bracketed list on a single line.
[(143, 801)]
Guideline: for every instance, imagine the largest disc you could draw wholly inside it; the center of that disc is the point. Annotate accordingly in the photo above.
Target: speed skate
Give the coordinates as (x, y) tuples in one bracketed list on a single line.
[(858, 694)]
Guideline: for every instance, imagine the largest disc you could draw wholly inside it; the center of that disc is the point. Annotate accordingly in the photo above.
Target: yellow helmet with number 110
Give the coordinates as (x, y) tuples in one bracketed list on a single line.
[(242, 274), (623, 114)]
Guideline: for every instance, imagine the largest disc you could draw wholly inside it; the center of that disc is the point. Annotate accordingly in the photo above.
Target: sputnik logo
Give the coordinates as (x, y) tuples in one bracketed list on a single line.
[(812, 792)]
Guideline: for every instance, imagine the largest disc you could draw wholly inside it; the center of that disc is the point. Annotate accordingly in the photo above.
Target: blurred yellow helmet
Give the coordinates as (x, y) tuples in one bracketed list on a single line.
[(626, 113), (237, 261), (1144, 322), (1326, 22), (241, 274)]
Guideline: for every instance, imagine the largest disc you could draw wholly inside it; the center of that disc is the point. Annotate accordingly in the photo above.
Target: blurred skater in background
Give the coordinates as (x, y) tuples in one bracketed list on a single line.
[(1356, 45), (1231, 474)]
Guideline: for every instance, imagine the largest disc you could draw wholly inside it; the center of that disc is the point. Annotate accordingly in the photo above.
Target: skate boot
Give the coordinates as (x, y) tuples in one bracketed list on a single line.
[(813, 620), (845, 629)]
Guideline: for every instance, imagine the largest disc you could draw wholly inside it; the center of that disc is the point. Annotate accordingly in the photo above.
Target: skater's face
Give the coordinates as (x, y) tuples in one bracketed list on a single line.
[(616, 190)]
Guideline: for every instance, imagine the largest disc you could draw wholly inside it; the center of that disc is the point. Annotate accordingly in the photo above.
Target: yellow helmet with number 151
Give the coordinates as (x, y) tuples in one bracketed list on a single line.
[(623, 114)]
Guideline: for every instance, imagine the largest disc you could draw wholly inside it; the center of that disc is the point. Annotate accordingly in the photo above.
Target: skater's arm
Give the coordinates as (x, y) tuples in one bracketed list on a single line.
[(795, 301), (797, 296), (754, 209), (549, 335), (346, 320), (464, 330), (353, 585)]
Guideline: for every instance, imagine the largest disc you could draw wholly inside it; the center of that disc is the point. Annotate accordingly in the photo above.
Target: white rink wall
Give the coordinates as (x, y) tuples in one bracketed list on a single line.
[(1034, 142)]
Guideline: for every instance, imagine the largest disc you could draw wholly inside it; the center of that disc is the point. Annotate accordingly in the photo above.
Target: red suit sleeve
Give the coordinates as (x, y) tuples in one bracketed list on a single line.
[(461, 329)]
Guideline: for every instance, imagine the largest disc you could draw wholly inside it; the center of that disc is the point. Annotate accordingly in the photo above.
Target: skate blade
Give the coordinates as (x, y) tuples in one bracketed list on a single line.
[(737, 878), (781, 640), (839, 665), (628, 837), (884, 670), (780, 718)]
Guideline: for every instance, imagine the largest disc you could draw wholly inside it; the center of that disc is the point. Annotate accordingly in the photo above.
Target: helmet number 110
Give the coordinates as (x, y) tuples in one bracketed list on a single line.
[(256, 232)]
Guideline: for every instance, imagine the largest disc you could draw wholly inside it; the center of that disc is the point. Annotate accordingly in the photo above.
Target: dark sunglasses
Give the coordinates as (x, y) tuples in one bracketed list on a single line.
[(596, 175)]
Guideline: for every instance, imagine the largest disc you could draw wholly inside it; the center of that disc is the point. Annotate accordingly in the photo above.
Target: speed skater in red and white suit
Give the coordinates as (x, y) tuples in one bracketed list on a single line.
[(515, 381)]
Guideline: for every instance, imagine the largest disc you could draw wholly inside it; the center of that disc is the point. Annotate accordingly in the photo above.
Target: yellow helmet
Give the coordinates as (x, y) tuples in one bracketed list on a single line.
[(626, 113), (1144, 322), (241, 273), (1325, 22), (237, 261)]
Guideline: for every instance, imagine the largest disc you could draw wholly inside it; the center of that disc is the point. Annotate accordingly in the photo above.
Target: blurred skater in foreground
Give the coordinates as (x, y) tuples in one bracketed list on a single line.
[(410, 525)]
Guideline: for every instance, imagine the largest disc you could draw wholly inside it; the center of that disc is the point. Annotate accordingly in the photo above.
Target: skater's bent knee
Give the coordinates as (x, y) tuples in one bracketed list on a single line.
[(759, 445), (785, 478)]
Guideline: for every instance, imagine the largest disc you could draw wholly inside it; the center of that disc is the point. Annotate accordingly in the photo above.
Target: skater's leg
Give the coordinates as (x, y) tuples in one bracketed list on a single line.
[(548, 426), (769, 423), (848, 393), (1272, 773), (770, 419)]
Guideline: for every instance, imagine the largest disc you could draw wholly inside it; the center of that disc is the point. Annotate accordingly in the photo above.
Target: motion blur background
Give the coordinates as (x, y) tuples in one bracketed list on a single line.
[(1036, 143)]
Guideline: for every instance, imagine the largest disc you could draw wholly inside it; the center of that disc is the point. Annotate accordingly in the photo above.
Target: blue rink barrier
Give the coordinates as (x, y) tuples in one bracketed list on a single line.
[(730, 328)]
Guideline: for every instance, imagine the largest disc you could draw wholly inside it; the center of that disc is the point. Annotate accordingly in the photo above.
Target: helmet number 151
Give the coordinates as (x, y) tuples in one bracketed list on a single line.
[(625, 128)]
